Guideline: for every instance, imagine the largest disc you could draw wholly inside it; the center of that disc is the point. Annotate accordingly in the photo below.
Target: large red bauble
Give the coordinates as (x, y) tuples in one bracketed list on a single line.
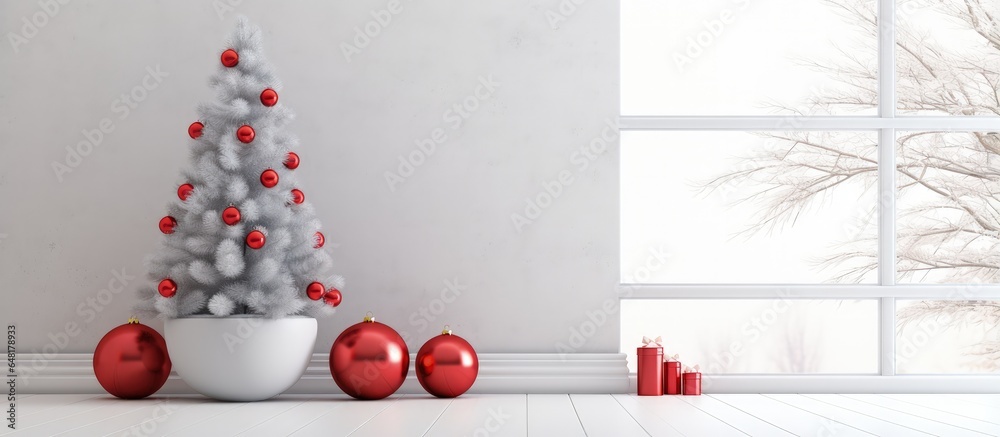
[(255, 239), (230, 58), (231, 216), (269, 178), (184, 191), (447, 365), (194, 130), (320, 240), (268, 97), (369, 360), (167, 224), (315, 290), (333, 297), (298, 196), (245, 134), (131, 361), (292, 161), (167, 288)]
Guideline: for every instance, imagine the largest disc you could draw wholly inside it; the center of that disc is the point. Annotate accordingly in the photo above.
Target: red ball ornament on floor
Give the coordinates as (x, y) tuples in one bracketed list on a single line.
[(292, 161), (184, 191), (269, 178), (333, 297), (131, 361), (315, 290), (245, 134), (298, 196), (167, 225), (268, 97), (320, 240), (195, 129), (256, 239), (167, 288), (230, 58), (369, 360), (447, 365), (231, 216)]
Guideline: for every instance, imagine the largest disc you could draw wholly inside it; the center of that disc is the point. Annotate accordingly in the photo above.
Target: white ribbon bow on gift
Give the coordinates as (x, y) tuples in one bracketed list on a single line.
[(695, 369), (647, 342), (675, 357)]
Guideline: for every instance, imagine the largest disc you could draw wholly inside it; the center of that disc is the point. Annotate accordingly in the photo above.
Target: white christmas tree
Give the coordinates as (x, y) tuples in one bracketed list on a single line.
[(240, 238)]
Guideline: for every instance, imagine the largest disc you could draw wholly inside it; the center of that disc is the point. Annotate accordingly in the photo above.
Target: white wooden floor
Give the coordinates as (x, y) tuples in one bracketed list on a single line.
[(514, 415)]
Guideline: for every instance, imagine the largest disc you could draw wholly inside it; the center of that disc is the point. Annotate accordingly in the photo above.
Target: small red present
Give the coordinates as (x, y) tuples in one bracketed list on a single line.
[(672, 375), (649, 371), (692, 381)]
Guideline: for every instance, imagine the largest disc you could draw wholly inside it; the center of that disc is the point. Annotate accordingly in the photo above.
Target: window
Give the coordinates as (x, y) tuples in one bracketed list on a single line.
[(840, 156)]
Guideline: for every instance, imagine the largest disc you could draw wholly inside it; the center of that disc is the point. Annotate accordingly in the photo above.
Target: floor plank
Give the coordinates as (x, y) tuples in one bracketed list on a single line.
[(647, 417), (492, 415), (853, 419), (295, 418), (105, 408), (792, 420), (184, 417), (894, 416), (991, 400), (239, 419), (733, 417), (601, 416), (37, 404), (959, 407), (409, 416), (346, 418), (928, 413), (141, 421), (44, 411), (552, 414)]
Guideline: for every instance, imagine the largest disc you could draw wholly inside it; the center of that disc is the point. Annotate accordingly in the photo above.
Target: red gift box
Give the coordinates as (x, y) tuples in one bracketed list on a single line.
[(649, 371), (692, 381), (672, 376)]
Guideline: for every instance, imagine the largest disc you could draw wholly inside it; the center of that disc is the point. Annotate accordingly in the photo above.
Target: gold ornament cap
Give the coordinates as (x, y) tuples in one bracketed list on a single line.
[(369, 317), (133, 320), (446, 330)]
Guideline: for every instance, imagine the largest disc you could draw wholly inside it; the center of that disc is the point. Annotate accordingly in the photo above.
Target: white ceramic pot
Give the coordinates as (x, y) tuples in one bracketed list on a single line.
[(240, 358)]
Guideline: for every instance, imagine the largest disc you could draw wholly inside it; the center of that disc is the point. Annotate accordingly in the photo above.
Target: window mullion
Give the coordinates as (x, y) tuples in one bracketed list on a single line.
[(887, 184)]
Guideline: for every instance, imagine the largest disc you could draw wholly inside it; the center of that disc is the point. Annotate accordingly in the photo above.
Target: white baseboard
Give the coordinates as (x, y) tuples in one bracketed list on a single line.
[(498, 373)]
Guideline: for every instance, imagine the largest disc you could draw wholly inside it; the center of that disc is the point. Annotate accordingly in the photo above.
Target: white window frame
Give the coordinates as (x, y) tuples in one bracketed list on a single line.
[(886, 123)]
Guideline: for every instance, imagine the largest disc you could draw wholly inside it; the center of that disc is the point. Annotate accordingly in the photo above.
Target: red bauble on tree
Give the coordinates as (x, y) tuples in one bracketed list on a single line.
[(231, 216), (320, 240), (194, 130), (447, 365), (315, 290), (131, 361), (230, 58), (369, 360), (256, 239), (298, 196), (167, 288), (184, 191), (333, 297), (245, 134), (269, 178), (268, 97), (292, 161), (167, 225)]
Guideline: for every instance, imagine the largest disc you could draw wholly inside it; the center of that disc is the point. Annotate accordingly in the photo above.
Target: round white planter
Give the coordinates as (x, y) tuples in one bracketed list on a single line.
[(240, 358)]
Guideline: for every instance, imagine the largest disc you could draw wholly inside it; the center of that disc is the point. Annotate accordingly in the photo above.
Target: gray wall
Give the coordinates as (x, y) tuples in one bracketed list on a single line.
[(63, 242)]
